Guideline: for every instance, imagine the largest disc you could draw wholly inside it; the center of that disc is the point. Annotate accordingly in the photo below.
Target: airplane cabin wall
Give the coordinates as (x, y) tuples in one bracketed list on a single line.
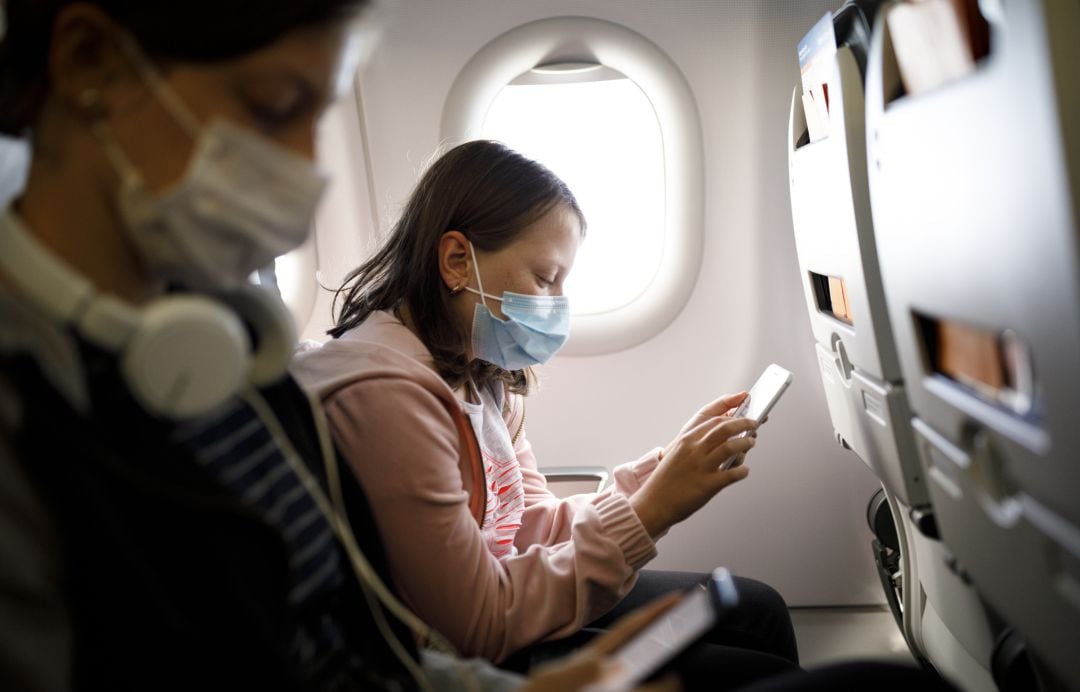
[(14, 166), (798, 522)]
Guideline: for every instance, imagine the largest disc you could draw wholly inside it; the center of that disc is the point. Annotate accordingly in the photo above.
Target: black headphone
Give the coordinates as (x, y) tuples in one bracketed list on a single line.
[(181, 356)]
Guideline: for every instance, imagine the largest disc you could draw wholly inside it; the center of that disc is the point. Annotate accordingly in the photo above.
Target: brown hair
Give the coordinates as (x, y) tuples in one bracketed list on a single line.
[(187, 30), (491, 194)]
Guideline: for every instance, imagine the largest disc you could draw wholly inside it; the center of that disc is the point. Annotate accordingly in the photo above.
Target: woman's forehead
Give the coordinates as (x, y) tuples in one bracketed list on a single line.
[(555, 236)]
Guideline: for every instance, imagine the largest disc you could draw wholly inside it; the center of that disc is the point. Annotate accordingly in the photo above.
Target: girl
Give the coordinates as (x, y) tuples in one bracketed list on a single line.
[(425, 388)]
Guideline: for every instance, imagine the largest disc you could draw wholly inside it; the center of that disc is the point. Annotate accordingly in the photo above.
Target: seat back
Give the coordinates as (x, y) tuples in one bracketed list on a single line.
[(975, 188), (838, 259)]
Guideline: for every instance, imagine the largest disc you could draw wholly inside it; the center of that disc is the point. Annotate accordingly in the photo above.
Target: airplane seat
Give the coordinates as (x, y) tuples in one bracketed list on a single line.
[(974, 184), (941, 617), (1011, 663)]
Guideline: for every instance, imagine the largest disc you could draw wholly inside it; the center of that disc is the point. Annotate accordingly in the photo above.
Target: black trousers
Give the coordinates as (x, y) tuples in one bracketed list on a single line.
[(752, 649), (760, 622), (753, 641)]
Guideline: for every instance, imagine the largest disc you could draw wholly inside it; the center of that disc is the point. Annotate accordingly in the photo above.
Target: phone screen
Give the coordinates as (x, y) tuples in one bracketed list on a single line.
[(661, 641), (765, 392), (763, 395)]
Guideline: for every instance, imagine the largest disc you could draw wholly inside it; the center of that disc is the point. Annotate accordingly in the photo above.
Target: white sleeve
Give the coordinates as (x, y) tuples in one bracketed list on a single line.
[(466, 674)]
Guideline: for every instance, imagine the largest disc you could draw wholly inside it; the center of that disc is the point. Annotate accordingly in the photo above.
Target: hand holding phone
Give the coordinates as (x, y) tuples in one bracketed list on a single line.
[(663, 639), (763, 396)]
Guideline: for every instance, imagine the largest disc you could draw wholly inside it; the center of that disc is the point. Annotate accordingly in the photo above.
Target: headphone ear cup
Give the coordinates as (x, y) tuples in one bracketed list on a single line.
[(275, 332), (188, 355)]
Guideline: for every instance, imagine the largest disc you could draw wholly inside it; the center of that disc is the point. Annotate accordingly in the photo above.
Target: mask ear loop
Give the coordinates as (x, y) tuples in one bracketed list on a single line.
[(90, 102), (169, 99), (172, 102), (479, 281)]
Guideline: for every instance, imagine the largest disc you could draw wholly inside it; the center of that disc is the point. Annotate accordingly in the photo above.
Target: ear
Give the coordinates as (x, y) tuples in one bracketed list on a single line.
[(455, 261), (89, 72)]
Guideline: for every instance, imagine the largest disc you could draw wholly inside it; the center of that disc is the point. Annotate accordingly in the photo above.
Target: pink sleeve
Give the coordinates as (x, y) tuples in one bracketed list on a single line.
[(548, 519), (403, 446)]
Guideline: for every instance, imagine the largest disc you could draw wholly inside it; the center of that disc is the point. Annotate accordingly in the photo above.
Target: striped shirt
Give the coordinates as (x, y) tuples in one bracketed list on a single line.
[(240, 452)]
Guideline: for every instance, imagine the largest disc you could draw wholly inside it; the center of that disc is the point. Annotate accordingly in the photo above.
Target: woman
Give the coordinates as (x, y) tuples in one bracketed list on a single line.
[(427, 376), (163, 484)]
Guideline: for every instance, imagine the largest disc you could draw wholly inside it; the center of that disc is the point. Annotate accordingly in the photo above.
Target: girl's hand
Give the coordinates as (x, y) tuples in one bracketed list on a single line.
[(688, 475), (724, 406), (591, 664)]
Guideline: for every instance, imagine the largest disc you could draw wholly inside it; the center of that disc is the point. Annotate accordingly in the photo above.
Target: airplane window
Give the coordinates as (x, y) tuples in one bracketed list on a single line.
[(293, 274), (598, 131)]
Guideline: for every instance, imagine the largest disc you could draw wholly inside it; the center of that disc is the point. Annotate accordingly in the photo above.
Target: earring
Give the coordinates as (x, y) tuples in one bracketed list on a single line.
[(91, 105), (89, 98), (456, 290)]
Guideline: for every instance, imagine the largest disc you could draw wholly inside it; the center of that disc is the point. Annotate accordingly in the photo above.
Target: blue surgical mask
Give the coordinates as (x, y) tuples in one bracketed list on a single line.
[(535, 328)]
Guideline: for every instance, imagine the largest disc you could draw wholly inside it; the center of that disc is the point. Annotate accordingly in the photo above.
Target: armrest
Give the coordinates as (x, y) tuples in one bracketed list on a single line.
[(591, 478)]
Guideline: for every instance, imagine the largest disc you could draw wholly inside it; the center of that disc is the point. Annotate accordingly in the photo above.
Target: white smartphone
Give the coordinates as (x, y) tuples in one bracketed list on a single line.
[(666, 637), (763, 396)]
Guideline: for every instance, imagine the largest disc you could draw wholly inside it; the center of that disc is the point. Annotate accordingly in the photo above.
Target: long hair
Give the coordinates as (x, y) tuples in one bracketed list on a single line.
[(491, 194)]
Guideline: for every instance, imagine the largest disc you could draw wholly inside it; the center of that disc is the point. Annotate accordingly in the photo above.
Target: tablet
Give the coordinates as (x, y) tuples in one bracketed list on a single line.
[(673, 631)]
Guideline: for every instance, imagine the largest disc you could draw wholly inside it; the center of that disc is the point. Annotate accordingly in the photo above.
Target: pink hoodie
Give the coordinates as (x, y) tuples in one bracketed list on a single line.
[(391, 418)]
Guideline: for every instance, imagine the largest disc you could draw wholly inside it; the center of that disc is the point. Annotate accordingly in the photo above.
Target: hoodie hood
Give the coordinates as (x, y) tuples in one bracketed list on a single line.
[(380, 347)]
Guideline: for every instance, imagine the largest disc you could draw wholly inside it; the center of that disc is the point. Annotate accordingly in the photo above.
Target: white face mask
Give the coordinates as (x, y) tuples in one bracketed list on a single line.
[(242, 201)]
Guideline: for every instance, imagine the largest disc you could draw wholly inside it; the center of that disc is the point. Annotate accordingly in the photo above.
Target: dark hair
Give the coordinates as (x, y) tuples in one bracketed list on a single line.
[(192, 30), (490, 193)]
